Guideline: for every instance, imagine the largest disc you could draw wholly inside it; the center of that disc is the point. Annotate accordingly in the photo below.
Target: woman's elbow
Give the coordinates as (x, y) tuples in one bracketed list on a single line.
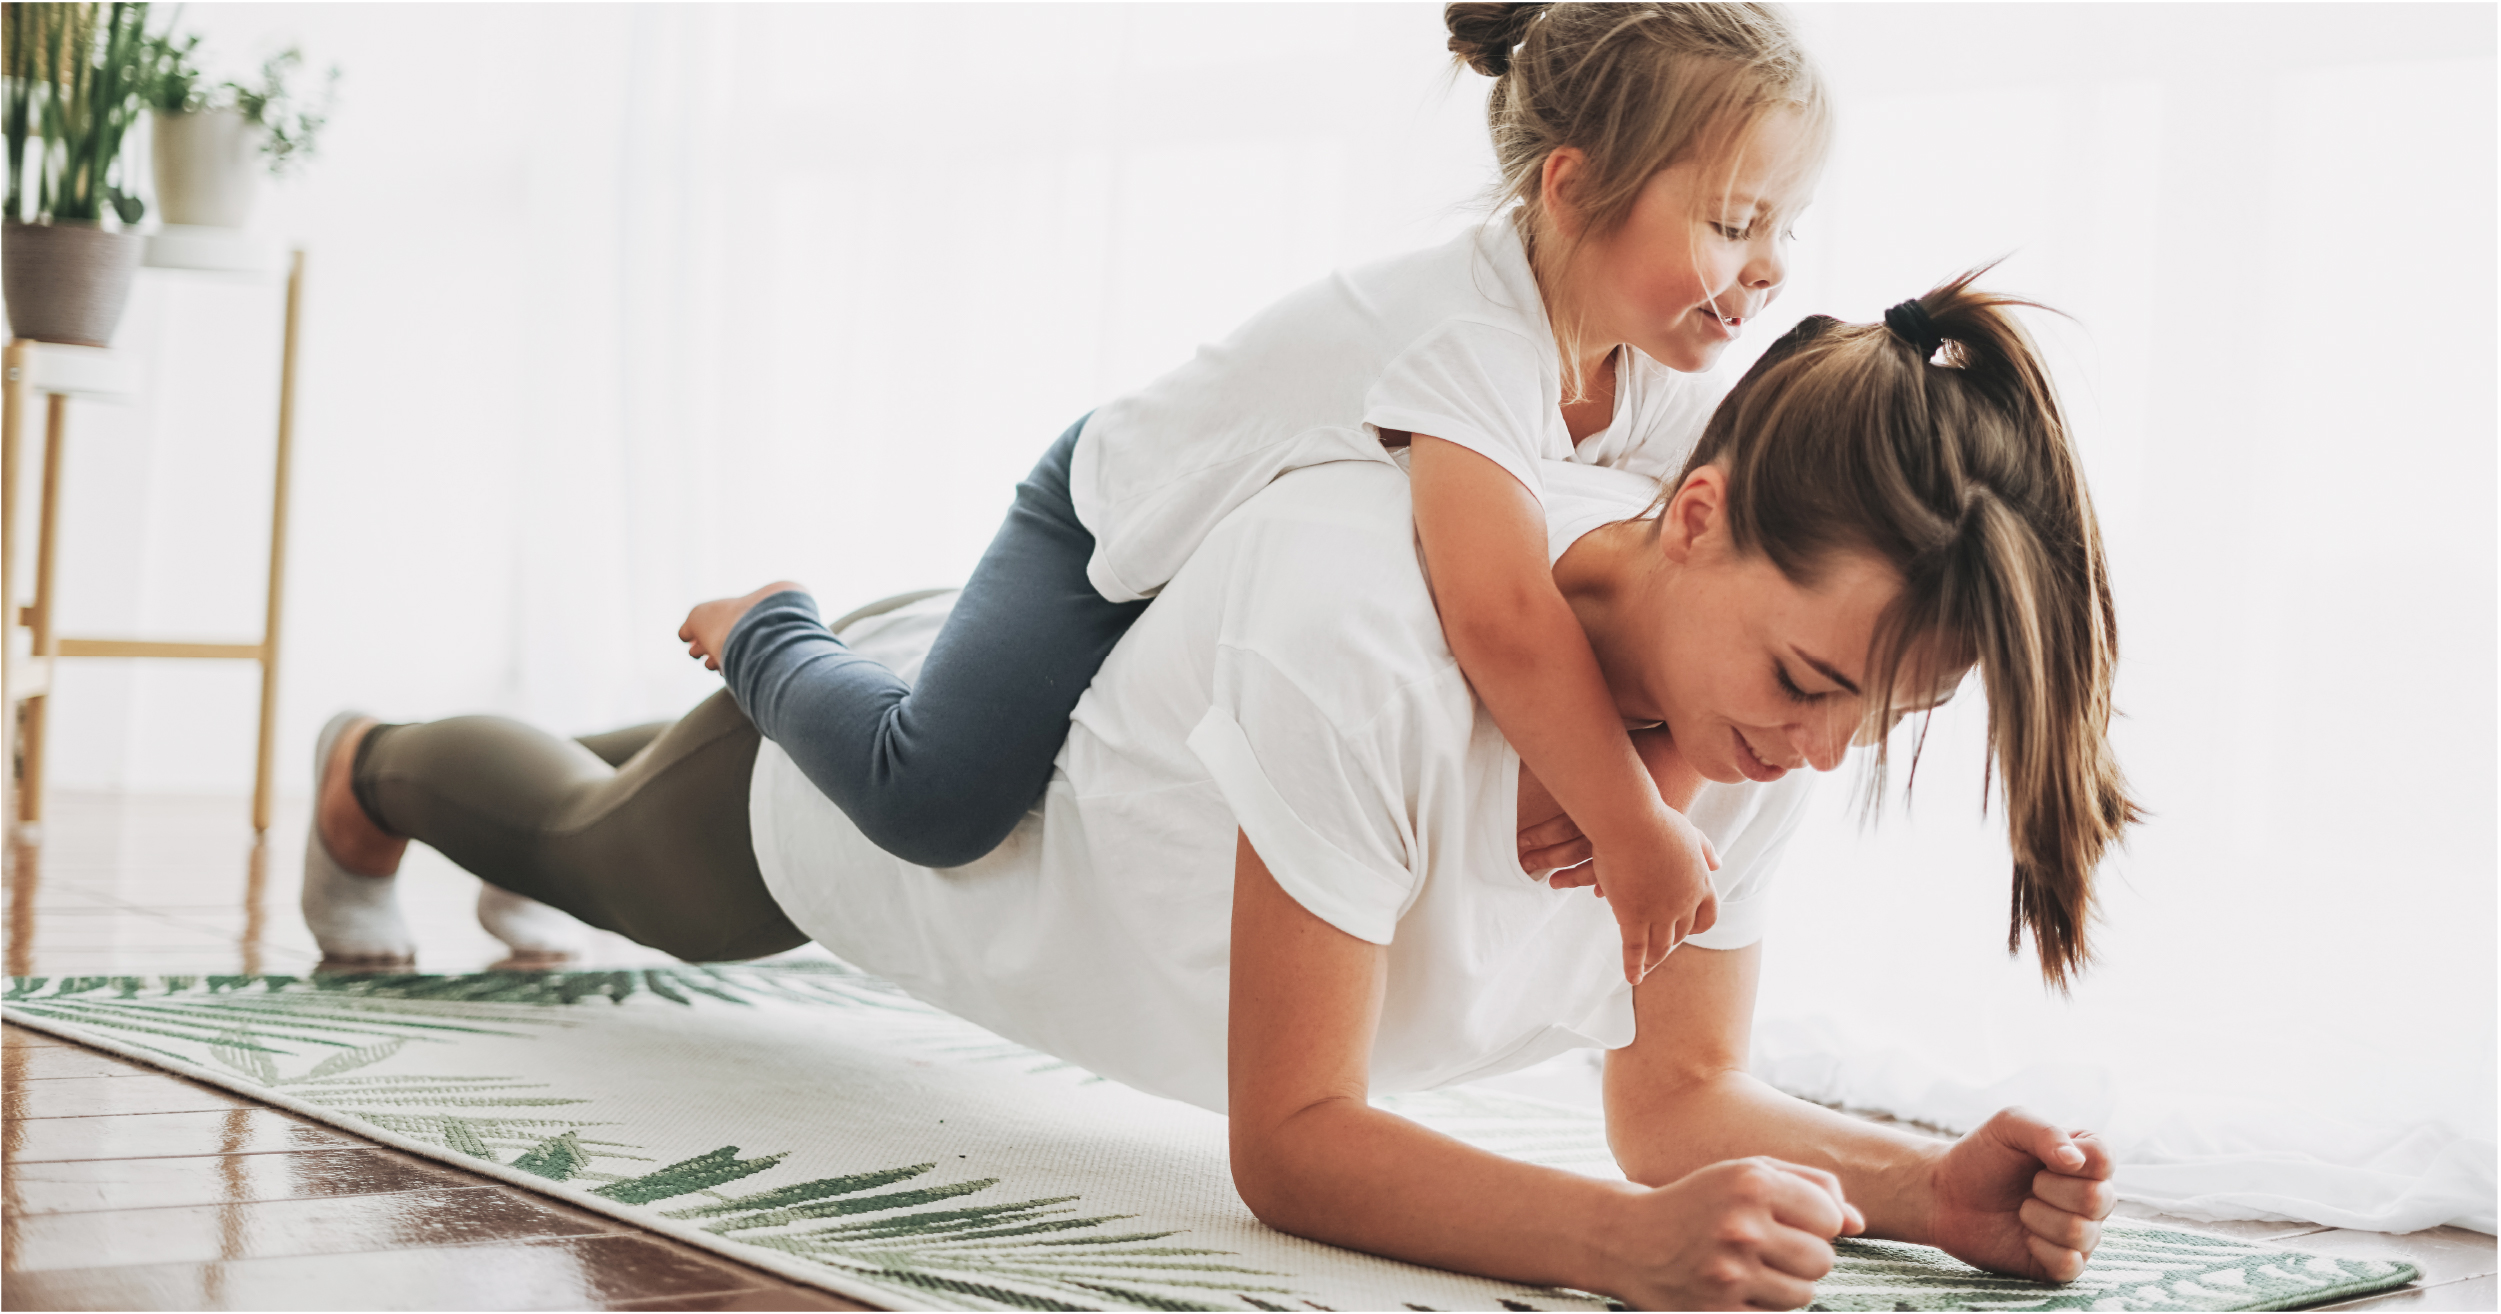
[(1267, 1188), (1273, 1174), (1642, 1105)]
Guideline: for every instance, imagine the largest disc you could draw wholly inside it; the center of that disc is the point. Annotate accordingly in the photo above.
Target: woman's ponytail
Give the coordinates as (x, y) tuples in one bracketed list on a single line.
[(1934, 440), (2037, 601)]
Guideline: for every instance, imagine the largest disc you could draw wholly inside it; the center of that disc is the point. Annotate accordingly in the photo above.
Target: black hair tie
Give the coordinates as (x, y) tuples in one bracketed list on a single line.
[(1909, 322)]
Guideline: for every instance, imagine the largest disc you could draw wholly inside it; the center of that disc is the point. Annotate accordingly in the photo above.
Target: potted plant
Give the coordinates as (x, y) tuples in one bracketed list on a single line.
[(70, 83), (212, 143)]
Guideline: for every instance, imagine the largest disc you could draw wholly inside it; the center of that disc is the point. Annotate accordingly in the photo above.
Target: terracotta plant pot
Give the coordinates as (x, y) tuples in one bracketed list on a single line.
[(67, 282), (208, 167)]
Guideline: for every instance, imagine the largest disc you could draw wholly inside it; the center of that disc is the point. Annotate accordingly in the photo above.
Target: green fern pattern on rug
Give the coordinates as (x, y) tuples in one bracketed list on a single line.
[(555, 1075), (973, 1251)]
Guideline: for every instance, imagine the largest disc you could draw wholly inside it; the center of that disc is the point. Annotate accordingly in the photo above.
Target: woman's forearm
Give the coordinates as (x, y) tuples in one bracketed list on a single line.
[(1343, 1172), (1661, 1133)]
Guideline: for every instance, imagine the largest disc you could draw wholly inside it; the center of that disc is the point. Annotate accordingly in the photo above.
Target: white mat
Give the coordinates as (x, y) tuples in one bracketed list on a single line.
[(814, 1121)]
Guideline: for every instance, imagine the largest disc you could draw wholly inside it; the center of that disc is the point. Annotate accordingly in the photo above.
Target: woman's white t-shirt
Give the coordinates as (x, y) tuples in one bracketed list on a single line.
[(1452, 341), (1291, 680)]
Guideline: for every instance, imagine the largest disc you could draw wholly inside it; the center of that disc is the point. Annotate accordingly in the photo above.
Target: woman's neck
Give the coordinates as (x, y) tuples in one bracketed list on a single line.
[(1597, 575)]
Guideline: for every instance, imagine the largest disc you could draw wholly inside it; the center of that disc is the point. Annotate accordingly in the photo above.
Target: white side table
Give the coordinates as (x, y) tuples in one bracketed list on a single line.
[(58, 373)]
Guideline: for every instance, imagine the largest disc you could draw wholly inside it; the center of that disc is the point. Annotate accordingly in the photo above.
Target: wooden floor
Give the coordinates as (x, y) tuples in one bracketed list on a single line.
[(122, 1187)]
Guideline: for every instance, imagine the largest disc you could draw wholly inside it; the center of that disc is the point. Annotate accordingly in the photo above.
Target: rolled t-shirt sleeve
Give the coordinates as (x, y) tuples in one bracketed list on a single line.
[(1484, 386), (1313, 799)]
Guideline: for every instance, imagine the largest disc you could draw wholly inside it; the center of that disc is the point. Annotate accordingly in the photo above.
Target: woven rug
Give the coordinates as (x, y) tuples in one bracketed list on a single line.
[(817, 1122)]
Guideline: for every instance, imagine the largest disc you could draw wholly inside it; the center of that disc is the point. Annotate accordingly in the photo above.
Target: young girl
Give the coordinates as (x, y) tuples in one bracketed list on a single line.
[(1269, 877), (1654, 153)]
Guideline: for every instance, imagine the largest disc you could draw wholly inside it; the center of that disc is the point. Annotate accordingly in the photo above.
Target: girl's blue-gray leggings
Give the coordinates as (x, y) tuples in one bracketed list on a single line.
[(937, 773)]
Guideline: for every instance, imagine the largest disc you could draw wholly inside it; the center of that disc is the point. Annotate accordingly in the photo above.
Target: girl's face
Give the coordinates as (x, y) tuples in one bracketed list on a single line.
[(1754, 674), (1702, 252)]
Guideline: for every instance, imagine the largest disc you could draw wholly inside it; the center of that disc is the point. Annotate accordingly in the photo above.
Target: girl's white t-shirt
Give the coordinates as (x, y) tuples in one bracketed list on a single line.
[(1452, 341), (1292, 681)]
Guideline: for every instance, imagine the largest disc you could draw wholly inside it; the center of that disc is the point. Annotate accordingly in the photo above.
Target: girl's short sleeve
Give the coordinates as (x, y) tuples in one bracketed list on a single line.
[(1487, 387)]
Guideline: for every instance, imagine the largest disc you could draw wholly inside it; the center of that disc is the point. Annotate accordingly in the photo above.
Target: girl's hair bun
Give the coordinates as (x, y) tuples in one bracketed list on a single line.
[(1483, 35)]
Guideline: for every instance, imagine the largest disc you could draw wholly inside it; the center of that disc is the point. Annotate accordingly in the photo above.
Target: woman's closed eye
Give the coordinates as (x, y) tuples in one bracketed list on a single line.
[(1790, 687)]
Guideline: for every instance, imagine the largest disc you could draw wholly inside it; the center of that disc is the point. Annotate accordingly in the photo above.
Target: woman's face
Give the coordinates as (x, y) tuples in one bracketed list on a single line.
[(1754, 674), (1703, 251)]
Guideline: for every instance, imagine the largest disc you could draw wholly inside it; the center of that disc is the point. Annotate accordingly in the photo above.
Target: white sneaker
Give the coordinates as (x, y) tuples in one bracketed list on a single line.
[(531, 929), (355, 919)]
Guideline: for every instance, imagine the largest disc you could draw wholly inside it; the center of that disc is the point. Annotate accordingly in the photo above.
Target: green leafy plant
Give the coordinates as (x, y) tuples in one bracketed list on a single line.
[(71, 84), (177, 85), (290, 123)]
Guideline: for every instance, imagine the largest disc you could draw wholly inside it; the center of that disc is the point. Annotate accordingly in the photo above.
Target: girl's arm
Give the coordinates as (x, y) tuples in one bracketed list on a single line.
[(1550, 841), (2018, 1195), (1312, 1157), (1484, 541)]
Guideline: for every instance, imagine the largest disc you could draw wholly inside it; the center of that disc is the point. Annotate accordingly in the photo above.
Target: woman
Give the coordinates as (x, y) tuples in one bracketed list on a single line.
[(1275, 870)]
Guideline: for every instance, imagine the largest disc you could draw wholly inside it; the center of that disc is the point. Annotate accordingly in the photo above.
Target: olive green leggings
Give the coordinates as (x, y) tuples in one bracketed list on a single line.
[(641, 831)]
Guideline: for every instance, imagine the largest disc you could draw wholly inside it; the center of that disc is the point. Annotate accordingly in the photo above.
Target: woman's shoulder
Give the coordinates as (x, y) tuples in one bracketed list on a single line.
[(1318, 574), (1323, 544)]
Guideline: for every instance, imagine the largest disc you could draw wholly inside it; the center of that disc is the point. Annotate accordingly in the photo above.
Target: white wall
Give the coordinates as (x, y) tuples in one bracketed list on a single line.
[(720, 294)]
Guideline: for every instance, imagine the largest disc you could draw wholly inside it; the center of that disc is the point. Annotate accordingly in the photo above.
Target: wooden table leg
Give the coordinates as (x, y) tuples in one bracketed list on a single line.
[(262, 769), (47, 556), (12, 413)]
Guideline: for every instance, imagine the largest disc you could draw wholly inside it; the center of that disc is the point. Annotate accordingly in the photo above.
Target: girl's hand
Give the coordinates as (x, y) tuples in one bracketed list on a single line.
[(1661, 889), (2020, 1196), (707, 627), (1552, 847), (1549, 839), (1740, 1234), (1557, 851)]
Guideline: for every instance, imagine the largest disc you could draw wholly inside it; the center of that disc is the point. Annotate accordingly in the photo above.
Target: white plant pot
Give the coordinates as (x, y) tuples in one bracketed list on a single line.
[(208, 168)]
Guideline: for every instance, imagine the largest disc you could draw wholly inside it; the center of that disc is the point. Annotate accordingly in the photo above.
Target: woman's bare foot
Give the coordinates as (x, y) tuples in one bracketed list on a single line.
[(707, 627), (354, 841)]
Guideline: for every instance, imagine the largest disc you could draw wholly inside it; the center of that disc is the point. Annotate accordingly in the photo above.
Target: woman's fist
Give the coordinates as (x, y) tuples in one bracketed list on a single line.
[(1741, 1234), (2020, 1196)]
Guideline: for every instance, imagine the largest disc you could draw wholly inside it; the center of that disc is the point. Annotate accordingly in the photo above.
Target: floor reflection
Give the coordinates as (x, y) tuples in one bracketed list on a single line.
[(255, 904), (22, 874)]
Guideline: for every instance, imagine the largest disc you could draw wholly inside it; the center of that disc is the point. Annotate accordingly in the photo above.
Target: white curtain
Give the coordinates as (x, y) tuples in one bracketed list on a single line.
[(619, 307)]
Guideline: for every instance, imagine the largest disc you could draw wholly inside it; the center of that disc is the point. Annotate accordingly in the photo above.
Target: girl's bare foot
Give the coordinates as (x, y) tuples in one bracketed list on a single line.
[(707, 627)]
